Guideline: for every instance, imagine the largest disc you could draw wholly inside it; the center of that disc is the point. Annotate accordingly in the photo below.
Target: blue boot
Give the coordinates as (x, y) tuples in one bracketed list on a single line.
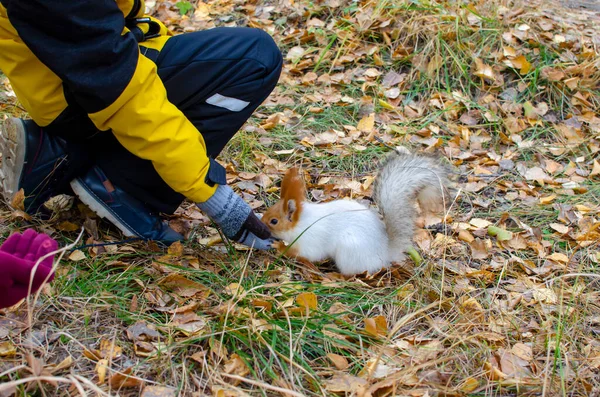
[(32, 160), (130, 215)]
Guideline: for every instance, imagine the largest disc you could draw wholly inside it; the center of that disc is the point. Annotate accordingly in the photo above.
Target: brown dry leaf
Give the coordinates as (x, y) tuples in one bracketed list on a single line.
[(158, 391), (558, 257), (234, 289), (472, 308), (484, 71), (236, 366), (479, 249), (595, 169), (142, 331), (67, 226), (376, 326), (77, 256), (7, 349), (123, 380), (181, 285), (64, 364), (109, 350), (340, 362), (18, 200), (560, 228), (465, 236), (175, 249), (344, 383), (367, 123)]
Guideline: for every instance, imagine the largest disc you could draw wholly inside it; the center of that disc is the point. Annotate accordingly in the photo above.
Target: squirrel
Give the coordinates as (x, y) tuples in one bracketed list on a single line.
[(355, 237)]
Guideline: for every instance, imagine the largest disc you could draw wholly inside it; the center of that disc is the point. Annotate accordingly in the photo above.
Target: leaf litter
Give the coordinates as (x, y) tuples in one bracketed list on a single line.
[(504, 299)]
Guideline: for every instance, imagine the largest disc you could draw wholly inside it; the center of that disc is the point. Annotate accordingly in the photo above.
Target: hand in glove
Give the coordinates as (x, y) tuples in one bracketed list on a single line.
[(236, 219), (18, 256)]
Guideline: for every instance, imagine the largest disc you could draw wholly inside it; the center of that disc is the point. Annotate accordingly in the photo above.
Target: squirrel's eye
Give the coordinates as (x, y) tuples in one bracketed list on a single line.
[(274, 221)]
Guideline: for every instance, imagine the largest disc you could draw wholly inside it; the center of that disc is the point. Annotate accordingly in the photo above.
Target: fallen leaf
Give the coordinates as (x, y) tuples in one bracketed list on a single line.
[(18, 200), (376, 326), (175, 249), (367, 123), (77, 256), (67, 226), (483, 71), (560, 228), (344, 383), (340, 362), (469, 385), (547, 199), (7, 349), (499, 233), (158, 391), (101, 369), (181, 286), (124, 380), (595, 169), (109, 350), (307, 300), (558, 257)]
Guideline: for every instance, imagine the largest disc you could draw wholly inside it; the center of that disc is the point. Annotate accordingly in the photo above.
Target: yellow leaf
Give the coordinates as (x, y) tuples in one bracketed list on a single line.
[(7, 349), (307, 300), (522, 64), (64, 364), (465, 235), (101, 368), (67, 226), (547, 199), (109, 350), (367, 123), (558, 257), (376, 326), (175, 249), (340, 362), (469, 385), (386, 105), (234, 289), (18, 200)]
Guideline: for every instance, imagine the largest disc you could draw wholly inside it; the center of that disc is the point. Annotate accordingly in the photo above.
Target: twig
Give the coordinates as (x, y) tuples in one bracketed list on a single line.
[(264, 385)]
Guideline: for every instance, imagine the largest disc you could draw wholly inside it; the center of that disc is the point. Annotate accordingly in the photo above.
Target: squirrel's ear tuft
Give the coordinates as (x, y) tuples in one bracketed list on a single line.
[(293, 193), (293, 185)]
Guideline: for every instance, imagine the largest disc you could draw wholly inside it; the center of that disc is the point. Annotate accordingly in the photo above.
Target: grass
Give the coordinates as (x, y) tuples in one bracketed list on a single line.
[(477, 317)]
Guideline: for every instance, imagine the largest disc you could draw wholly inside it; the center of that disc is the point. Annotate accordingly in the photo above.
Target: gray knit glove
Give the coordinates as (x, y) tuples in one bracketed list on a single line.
[(236, 219)]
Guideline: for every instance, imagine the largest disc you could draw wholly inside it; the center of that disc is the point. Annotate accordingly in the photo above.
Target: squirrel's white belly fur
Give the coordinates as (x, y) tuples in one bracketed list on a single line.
[(356, 242)]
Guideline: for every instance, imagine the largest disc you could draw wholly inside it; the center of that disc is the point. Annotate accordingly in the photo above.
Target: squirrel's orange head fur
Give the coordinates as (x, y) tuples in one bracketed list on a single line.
[(284, 214)]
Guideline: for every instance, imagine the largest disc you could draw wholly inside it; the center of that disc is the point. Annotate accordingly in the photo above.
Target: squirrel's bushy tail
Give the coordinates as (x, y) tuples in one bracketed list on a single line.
[(404, 179)]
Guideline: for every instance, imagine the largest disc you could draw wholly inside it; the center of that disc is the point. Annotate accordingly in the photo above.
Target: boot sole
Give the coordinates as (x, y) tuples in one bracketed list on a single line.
[(95, 204), (12, 147)]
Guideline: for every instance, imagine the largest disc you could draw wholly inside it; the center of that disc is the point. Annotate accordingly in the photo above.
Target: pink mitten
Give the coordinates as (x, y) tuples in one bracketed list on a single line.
[(18, 256)]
